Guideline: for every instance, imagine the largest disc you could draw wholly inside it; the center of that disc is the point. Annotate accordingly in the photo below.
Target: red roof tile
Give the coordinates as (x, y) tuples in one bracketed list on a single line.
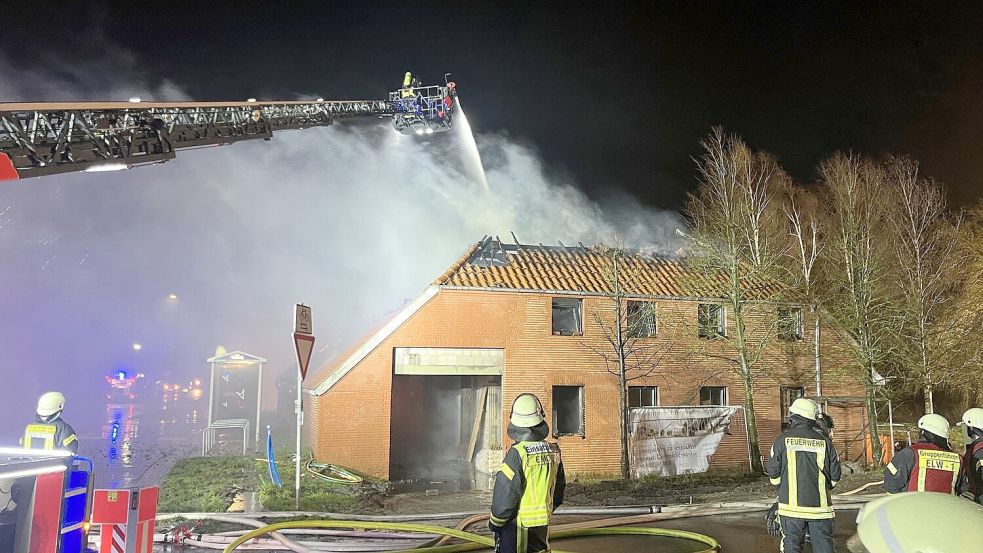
[(492, 264)]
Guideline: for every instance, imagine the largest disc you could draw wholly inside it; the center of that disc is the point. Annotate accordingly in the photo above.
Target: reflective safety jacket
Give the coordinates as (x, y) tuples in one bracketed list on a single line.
[(529, 485), (805, 467), (925, 467), (974, 469), (54, 434)]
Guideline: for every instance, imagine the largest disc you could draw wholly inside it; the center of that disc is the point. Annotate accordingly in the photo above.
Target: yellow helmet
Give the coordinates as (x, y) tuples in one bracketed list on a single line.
[(50, 403), (974, 418), (930, 522), (804, 407), (936, 424), (527, 411)]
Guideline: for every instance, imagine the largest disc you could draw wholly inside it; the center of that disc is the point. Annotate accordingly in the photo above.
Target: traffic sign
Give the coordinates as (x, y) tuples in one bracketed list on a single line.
[(302, 319), (305, 345)]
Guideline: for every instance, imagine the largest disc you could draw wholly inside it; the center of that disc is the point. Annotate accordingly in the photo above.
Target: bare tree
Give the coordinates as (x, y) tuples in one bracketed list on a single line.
[(738, 245), (928, 274), (630, 348), (962, 350), (857, 271), (805, 232)]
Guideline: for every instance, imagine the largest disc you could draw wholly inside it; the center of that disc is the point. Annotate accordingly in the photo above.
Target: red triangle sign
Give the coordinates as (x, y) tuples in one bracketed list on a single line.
[(305, 346)]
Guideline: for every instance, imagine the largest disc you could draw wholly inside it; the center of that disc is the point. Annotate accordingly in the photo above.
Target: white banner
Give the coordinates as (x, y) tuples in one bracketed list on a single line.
[(669, 441)]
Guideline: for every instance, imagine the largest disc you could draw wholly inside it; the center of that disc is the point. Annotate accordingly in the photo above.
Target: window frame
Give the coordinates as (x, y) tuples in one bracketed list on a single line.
[(725, 398), (799, 332), (583, 411), (645, 307), (642, 390), (580, 315), (721, 327)]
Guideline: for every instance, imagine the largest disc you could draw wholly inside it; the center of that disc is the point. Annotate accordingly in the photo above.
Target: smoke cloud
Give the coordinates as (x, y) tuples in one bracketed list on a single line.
[(353, 220)]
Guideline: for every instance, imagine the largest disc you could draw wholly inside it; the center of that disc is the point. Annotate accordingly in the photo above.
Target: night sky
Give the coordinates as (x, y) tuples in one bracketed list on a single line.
[(615, 96), (355, 220)]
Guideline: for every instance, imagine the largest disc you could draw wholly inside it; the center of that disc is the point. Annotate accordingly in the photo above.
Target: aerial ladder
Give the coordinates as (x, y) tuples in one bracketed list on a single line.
[(39, 139)]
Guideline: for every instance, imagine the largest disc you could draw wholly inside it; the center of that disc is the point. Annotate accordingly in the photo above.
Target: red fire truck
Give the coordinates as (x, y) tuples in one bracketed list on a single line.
[(45, 501)]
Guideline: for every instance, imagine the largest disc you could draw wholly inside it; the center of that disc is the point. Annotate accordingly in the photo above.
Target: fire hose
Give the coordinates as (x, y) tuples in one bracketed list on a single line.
[(475, 541)]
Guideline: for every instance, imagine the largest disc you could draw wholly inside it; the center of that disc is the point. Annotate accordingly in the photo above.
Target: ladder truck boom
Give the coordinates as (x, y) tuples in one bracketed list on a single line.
[(38, 139)]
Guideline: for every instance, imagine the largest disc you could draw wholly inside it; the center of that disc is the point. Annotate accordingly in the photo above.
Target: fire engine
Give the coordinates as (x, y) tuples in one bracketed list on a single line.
[(47, 499)]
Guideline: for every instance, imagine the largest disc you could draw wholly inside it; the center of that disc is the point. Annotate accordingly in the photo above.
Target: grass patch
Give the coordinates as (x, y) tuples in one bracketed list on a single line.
[(206, 484), (317, 494)]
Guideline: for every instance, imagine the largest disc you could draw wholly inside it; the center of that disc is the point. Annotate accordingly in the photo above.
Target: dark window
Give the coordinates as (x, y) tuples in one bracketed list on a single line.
[(567, 319), (713, 395), (641, 319), (790, 323), (568, 410), (789, 394), (711, 320), (643, 396)]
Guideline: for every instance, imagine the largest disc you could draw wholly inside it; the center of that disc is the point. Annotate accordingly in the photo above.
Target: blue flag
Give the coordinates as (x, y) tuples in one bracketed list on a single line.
[(271, 460)]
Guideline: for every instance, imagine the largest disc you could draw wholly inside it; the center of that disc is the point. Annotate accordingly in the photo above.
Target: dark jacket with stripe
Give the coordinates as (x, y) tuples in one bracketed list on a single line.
[(805, 467), (902, 473), (64, 434), (974, 469)]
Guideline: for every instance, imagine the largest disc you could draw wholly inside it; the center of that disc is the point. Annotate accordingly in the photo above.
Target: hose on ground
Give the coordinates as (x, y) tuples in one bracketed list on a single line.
[(862, 488), (325, 471), (285, 541), (475, 541)]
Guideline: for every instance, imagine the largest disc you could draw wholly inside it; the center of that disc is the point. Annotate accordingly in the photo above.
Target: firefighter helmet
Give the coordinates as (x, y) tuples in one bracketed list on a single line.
[(973, 418), (935, 522), (527, 411), (804, 408), (50, 403), (935, 424)]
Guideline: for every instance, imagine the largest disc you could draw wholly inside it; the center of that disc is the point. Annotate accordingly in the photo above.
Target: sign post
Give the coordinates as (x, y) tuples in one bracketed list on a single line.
[(304, 344)]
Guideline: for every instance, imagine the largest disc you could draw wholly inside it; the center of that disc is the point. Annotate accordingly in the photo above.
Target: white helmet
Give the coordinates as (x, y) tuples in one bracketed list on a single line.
[(527, 411), (50, 403), (936, 424), (973, 418), (804, 407), (936, 522)]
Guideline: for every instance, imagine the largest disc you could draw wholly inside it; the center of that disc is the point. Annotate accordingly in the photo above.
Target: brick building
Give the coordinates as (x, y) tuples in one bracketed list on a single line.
[(430, 388)]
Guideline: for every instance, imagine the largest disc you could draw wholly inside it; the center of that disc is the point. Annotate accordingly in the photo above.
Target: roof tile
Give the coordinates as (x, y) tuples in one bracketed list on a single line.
[(491, 264)]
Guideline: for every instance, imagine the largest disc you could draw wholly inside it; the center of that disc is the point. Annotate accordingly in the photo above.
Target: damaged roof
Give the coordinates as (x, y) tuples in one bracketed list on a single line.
[(493, 264)]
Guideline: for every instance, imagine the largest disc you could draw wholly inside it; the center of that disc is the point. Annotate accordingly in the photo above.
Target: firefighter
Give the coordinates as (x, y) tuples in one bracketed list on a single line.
[(804, 466), (407, 90), (825, 425), (530, 483), (973, 424), (929, 465), (49, 431), (928, 522)]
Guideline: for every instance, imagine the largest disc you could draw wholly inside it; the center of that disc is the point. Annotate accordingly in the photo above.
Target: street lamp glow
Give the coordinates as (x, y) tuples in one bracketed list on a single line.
[(137, 347)]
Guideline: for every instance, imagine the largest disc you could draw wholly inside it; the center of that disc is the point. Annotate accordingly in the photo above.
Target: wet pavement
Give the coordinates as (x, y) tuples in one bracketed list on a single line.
[(137, 444), (744, 533)]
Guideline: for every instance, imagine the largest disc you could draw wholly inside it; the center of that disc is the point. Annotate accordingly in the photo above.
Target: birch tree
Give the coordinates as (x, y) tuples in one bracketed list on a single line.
[(737, 244), (928, 276), (967, 306), (857, 271), (805, 235)]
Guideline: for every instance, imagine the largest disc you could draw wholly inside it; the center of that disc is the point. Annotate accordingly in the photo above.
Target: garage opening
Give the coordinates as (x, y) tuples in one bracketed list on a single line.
[(446, 430)]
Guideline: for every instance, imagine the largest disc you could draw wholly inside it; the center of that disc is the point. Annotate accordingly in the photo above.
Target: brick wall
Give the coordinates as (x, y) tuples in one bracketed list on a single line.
[(352, 421)]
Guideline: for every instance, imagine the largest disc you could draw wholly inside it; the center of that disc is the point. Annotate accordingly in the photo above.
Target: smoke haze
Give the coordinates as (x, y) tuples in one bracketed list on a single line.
[(352, 220)]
